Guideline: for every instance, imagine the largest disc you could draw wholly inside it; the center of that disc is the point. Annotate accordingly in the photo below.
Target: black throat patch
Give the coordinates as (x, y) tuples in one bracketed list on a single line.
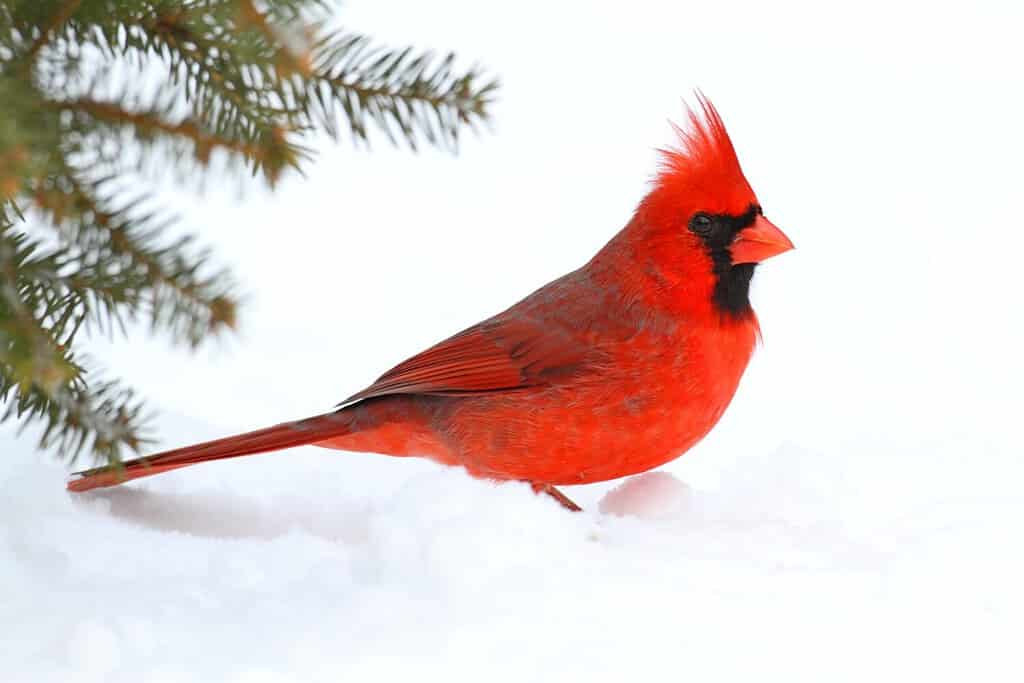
[(732, 282)]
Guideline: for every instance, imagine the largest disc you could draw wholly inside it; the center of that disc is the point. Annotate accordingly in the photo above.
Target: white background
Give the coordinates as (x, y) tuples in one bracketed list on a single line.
[(854, 516)]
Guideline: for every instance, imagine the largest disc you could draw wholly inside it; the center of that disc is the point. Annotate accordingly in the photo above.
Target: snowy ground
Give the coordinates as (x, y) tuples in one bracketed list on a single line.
[(797, 565), (857, 515)]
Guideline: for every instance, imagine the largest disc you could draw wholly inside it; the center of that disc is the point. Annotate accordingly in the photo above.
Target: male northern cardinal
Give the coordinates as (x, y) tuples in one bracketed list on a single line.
[(611, 370)]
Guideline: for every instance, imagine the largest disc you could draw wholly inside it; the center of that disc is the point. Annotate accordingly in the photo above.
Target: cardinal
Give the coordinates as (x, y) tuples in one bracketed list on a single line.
[(611, 370)]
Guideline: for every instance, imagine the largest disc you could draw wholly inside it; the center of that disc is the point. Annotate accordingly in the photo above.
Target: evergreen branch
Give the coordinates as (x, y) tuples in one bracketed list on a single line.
[(150, 124), (271, 153), (30, 136), (103, 419), (206, 49), (164, 282), (396, 88), (41, 311), (211, 79), (29, 353), (305, 11), (299, 63), (245, 81), (59, 19), (233, 83)]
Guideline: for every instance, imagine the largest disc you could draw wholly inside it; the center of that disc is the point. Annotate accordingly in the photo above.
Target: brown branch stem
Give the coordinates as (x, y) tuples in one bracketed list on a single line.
[(204, 142), (56, 21)]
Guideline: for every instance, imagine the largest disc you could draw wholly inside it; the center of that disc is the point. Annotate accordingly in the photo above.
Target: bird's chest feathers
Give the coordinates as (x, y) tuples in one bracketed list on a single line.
[(712, 359), (685, 381)]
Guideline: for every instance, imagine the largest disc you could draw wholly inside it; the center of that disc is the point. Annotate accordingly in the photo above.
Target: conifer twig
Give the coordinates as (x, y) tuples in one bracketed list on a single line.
[(59, 19)]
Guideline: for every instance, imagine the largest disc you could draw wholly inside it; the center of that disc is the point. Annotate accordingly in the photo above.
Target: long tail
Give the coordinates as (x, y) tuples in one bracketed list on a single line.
[(286, 435)]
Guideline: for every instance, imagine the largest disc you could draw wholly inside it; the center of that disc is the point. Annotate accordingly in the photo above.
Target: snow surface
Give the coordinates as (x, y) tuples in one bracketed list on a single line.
[(798, 564), (857, 514)]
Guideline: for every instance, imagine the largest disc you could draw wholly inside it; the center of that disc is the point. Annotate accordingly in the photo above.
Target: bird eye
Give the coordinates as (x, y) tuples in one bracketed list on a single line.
[(701, 223)]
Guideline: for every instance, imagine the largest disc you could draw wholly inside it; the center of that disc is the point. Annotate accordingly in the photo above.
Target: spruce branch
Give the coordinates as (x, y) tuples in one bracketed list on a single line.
[(40, 380), (64, 12), (398, 89), (270, 153), (151, 125), (102, 419), (94, 93), (30, 353), (163, 281)]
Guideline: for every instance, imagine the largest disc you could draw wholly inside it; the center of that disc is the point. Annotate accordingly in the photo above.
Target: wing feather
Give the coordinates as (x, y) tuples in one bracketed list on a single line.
[(506, 353)]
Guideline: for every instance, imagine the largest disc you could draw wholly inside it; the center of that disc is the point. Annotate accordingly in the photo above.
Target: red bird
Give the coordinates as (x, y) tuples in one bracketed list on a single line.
[(611, 370)]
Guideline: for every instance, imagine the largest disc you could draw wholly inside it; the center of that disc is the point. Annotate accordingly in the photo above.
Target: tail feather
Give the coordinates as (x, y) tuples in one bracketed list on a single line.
[(286, 435)]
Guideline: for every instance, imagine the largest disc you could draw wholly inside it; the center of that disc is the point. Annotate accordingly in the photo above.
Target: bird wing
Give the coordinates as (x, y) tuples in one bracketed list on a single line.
[(505, 353)]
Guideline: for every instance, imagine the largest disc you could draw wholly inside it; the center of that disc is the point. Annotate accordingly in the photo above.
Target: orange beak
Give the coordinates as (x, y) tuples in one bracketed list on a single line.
[(760, 241)]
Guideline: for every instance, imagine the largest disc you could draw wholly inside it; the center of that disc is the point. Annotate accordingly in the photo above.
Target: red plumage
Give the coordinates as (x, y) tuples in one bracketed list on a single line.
[(610, 370)]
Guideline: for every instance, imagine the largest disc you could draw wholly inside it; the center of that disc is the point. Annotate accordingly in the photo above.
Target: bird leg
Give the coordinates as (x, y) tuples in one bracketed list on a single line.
[(562, 499)]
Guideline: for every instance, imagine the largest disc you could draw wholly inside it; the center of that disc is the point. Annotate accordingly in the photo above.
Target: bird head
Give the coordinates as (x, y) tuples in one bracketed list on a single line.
[(701, 223)]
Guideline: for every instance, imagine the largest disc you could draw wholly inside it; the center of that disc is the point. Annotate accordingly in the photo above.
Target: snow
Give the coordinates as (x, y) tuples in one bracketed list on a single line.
[(786, 568), (856, 515)]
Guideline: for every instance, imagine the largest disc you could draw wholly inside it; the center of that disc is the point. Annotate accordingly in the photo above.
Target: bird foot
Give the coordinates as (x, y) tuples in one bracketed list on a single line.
[(562, 499)]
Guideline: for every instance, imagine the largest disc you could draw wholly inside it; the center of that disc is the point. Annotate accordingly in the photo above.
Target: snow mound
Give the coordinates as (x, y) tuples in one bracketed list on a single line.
[(651, 495)]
